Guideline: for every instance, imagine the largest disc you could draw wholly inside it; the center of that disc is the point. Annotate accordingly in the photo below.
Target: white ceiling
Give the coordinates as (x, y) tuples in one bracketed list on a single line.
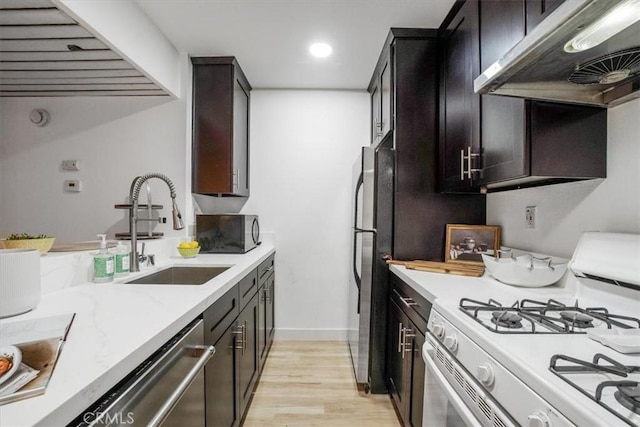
[(270, 38)]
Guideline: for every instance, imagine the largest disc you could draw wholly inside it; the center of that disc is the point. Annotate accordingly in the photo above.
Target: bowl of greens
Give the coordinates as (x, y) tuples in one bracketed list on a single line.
[(42, 242)]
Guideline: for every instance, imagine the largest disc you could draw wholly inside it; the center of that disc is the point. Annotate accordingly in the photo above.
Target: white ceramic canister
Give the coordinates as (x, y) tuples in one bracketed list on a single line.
[(19, 281)]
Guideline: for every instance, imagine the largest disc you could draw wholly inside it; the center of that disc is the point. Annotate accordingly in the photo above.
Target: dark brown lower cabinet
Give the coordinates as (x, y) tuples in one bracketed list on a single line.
[(266, 307), (408, 313), (241, 328), (232, 372), (222, 406), (266, 314), (270, 308), (397, 362), (247, 351)]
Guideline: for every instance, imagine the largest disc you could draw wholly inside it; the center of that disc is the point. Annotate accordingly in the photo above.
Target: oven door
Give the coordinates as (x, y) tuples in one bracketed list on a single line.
[(453, 397), (442, 405)]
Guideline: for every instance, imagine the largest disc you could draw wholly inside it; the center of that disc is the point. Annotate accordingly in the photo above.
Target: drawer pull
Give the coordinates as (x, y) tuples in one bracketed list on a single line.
[(408, 302)]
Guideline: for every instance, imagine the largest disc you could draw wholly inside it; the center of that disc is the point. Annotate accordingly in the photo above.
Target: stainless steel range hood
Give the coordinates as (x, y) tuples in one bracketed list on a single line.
[(539, 68)]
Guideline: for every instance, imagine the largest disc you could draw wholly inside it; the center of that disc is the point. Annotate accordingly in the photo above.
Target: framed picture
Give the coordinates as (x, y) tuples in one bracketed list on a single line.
[(466, 243)]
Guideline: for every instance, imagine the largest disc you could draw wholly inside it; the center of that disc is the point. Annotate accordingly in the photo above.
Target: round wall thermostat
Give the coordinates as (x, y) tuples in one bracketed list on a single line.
[(40, 117)]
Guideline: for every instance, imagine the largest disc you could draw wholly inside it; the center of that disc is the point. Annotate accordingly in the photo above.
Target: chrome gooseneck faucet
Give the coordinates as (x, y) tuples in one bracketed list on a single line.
[(134, 193)]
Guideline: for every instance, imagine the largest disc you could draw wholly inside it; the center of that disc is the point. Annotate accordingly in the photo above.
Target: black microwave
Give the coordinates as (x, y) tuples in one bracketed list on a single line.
[(227, 233)]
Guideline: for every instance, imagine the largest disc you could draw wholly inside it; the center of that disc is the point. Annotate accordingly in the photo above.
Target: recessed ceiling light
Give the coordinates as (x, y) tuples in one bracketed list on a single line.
[(320, 50)]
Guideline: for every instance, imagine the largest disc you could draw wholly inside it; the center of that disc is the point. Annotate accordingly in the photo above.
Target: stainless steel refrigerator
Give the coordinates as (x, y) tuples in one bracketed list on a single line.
[(372, 214)]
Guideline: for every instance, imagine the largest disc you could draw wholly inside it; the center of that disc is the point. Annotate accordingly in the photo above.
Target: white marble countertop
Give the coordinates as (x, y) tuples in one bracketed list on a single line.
[(117, 327), (449, 288)]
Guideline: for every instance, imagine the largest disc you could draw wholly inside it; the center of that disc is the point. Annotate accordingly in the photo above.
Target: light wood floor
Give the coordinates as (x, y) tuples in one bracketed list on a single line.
[(310, 383)]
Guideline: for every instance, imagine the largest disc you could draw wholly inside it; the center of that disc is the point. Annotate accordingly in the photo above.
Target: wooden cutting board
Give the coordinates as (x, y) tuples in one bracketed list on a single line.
[(458, 269)]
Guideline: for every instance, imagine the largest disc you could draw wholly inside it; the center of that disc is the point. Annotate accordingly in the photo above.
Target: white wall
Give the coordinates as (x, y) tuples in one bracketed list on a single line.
[(564, 211), (115, 139), (303, 146)]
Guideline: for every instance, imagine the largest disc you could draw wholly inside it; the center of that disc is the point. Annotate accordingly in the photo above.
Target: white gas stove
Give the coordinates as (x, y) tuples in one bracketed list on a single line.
[(531, 358)]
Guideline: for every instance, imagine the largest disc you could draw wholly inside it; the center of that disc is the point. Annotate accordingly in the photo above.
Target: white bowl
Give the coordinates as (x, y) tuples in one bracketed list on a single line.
[(529, 270)]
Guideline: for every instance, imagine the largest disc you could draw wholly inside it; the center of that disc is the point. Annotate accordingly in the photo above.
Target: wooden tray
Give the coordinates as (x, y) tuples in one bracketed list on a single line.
[(441, 267)]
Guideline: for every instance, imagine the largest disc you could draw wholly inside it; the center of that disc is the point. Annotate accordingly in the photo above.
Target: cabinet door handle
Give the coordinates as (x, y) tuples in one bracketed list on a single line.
[(239, 330), (407, 347), (236, 178), (400, 329), (244, 336), (468, 171), (267, 295), (470, 156)]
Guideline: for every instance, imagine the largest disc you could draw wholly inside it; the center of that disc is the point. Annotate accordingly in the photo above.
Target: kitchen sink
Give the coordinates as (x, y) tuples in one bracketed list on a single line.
[(180, 276)]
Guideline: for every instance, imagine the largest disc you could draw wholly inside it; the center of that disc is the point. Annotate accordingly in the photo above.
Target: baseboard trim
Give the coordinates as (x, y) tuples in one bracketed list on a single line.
[(285, 334)]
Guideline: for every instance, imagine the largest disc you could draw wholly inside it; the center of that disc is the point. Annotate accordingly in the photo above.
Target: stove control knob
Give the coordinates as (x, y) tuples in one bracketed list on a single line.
[(451, 342), (539, 419), (485, 374), (438, 329)]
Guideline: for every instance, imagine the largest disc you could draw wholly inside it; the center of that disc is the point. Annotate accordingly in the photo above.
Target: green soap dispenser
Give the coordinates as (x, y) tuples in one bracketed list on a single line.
[(103, 263), (122, 260)]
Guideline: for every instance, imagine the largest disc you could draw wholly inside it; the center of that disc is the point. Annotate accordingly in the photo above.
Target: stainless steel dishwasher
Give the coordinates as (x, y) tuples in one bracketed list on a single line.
[(166, 390)]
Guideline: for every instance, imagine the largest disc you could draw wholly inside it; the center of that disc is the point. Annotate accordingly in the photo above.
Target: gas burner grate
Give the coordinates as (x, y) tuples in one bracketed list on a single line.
[(577, 317), (504, 319), (555, 316), (627, 392)]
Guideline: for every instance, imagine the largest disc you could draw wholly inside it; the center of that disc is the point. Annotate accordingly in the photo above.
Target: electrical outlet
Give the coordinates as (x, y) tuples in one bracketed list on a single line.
[(530, 216), (73, 186)]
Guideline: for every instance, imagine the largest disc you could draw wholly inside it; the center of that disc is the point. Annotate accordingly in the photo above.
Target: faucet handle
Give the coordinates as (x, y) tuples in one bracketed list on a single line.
[(151, 259), (141, 256)]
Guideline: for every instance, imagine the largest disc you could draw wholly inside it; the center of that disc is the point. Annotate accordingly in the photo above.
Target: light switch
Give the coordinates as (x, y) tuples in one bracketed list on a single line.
[(70, 165)]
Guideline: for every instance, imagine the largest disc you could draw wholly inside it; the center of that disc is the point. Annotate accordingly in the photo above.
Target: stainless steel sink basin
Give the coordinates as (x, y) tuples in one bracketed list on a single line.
[(180, 276)]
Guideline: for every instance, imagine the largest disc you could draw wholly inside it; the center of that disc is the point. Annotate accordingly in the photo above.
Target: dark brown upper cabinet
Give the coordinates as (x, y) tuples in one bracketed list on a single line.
[(221, 95), (381, 108), (491, 142), (503, 123), (526, 143), (459, 104), (537, 10)]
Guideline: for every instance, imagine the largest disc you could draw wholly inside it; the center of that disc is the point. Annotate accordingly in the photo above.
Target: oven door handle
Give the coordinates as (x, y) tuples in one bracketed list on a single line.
[(464, 412)]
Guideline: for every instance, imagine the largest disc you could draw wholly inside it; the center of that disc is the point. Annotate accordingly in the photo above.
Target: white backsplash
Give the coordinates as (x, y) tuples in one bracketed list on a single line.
[(60, 270)]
